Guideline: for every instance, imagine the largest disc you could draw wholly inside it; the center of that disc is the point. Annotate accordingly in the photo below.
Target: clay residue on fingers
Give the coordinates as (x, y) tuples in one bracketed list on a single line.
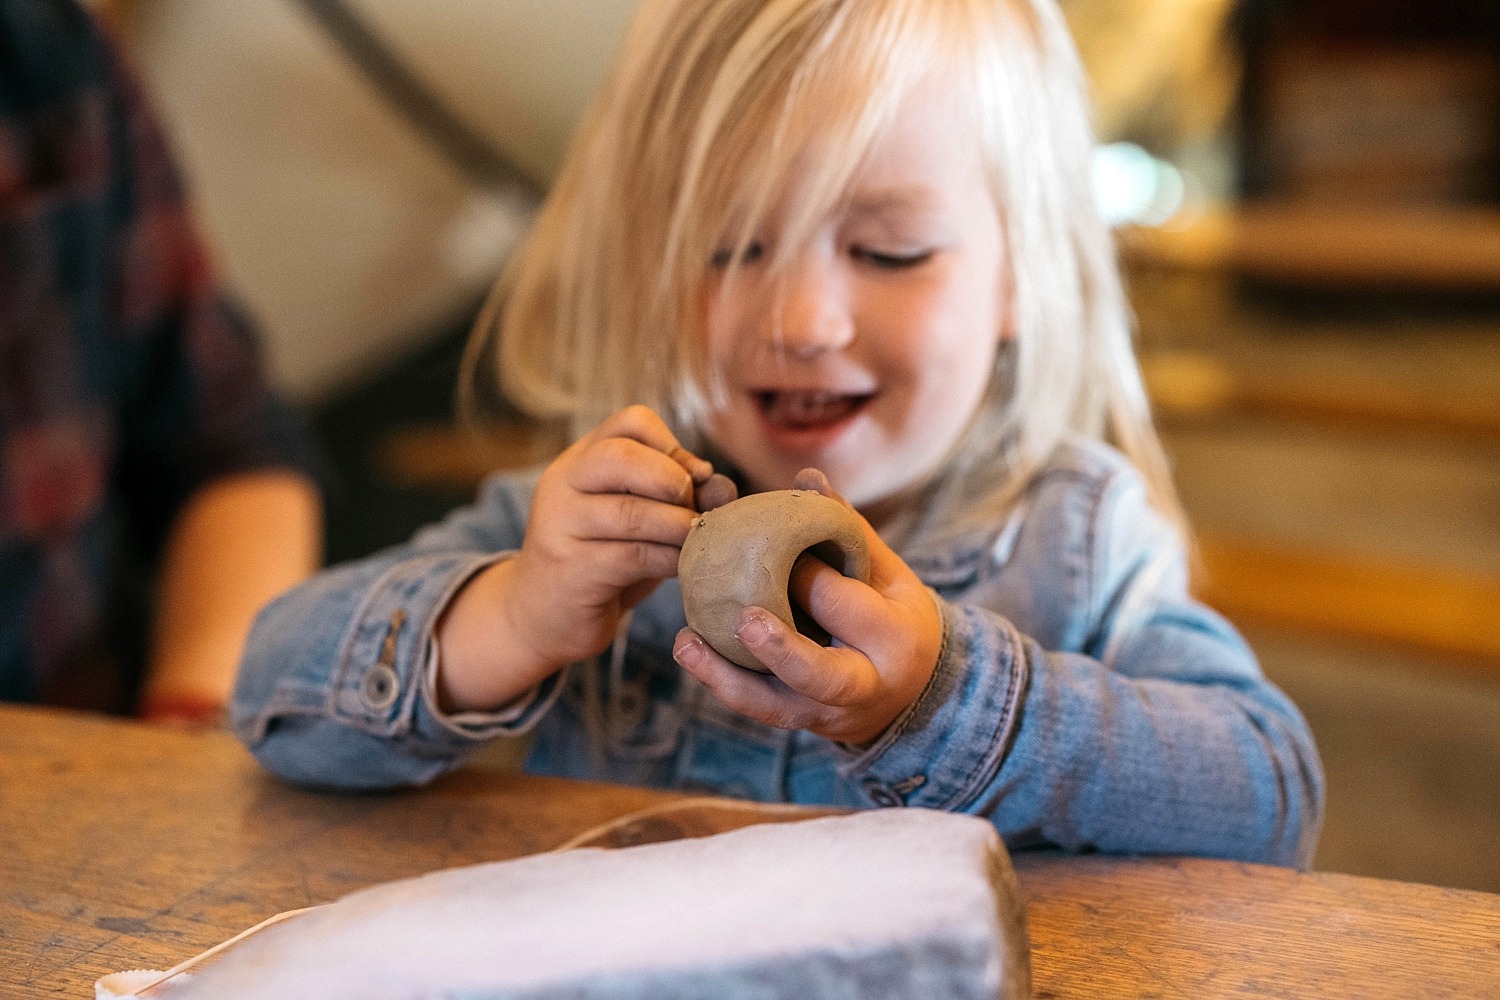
[(715, 491)]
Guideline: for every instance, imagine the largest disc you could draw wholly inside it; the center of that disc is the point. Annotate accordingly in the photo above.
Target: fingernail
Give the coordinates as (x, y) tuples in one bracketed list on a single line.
[(752, 630), (813, 479), (688, 649)]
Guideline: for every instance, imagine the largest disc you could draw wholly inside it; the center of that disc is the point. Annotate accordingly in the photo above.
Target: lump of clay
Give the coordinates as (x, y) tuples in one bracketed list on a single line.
[(741, 555)]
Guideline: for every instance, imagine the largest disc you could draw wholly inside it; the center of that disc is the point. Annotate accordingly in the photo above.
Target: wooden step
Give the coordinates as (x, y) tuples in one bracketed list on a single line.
[(1434, 609), (1194, 387), (1361, 246)]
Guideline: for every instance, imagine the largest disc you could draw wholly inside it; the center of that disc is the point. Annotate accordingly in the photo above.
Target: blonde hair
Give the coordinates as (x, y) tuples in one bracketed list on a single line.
[(710, 105)]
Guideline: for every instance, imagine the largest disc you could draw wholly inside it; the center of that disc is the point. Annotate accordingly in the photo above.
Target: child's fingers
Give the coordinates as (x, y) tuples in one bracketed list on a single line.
[(873, 622), (755, 695), (624, 517), (835, 676), (624, 465), (714, 492), (643, 424), (620, 565), (698, 468), (814, 479), (845, 607)]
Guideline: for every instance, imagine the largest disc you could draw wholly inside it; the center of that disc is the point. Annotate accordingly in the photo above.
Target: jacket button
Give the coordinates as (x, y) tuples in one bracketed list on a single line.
[(379, 687), (881, 795)]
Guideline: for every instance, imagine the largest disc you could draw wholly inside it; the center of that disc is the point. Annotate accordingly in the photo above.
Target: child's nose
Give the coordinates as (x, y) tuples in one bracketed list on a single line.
[(812, 314)]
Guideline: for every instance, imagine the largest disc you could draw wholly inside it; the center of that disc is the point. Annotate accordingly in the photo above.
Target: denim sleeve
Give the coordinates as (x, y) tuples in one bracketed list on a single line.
[(331, 690), (1159, 734)]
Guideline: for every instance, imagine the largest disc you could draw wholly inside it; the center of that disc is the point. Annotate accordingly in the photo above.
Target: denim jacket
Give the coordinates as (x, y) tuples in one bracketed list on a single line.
[(1081, 699)]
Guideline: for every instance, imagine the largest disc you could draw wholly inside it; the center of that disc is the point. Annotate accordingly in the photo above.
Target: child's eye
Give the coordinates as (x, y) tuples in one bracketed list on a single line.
[(724, 256), (890, 261)]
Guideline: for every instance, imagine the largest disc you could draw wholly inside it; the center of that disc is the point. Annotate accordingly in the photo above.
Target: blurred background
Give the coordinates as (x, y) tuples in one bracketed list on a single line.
[(1308, 195)]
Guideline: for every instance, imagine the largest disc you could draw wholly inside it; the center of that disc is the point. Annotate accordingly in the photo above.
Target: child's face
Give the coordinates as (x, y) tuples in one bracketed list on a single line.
[(882, 341)]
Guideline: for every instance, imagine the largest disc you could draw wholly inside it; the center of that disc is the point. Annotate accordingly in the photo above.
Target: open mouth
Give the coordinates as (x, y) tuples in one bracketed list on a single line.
[(809, 410)]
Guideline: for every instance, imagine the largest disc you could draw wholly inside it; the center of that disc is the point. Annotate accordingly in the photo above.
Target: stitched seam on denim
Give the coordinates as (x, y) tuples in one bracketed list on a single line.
[(364, 720), (343, 666), (1091, 534), (283, 702), (1095, 483), (1134, 603), (1020, 682), (989, 763)]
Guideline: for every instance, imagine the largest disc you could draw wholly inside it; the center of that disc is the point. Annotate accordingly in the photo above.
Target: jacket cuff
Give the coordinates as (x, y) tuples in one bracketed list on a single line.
[(514, 719), (947, 747), (383, 673)]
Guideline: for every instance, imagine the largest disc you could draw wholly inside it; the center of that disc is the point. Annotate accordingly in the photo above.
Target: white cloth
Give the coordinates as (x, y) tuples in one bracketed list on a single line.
[(890, 903)]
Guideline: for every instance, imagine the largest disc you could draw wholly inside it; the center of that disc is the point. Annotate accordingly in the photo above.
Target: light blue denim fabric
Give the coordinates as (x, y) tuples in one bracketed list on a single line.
[(1082, 699)]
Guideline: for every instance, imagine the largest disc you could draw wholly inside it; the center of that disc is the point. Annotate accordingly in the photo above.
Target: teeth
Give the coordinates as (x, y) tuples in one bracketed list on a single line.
[(807, 405), (808, 408)]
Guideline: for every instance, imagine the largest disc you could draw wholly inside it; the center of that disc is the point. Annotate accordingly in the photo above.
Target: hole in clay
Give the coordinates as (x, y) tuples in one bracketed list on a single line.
[(833, 556), (808, 627)]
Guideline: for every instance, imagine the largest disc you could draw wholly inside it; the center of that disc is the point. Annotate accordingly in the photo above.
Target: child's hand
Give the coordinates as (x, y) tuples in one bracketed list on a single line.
[(890, 633), (607, 523)]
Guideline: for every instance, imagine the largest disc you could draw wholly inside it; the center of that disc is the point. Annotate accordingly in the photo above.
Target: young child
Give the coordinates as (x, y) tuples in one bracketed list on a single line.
[(854, 236)]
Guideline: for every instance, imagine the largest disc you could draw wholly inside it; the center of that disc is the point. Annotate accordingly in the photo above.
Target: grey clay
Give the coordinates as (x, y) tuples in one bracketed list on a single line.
[(741, 555)]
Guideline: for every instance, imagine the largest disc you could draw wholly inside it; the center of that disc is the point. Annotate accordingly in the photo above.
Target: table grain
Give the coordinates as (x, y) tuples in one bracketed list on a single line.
[(127, 846)]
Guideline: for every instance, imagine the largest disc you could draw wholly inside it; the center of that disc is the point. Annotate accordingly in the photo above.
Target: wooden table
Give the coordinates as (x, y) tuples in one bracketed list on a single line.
[(123, 846)]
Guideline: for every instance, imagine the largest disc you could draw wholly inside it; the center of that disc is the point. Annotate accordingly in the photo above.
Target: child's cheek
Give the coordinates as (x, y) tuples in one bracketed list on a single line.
[(712, 309)]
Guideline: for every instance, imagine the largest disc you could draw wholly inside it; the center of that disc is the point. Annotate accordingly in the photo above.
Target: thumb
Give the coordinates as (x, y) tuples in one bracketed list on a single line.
[(883, 558), (815, 480)]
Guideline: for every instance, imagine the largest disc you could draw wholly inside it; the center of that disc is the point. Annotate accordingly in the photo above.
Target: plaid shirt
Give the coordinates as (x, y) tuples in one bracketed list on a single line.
[(126, 382)]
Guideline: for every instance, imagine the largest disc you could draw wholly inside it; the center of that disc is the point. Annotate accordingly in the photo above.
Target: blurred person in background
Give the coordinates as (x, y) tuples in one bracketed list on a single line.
[(154, 492)]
